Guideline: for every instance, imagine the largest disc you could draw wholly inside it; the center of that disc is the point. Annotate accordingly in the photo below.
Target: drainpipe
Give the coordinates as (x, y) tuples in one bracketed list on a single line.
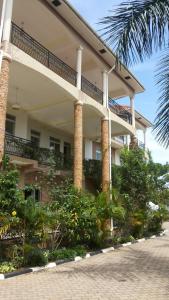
[(1, 30), (110, 153), (2, 19)]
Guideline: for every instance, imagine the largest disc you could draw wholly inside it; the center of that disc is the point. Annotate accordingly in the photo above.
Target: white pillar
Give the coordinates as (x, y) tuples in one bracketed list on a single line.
[(7, 21), (2, 19), (132, 111), (145, 138), (79, 67), (105, 87)]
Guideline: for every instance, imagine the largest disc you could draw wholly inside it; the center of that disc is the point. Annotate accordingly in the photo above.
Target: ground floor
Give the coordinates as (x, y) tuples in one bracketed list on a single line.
[(139, 271)]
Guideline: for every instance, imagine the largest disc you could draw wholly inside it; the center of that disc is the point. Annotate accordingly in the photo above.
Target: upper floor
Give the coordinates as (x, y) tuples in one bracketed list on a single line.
[(53, 34)]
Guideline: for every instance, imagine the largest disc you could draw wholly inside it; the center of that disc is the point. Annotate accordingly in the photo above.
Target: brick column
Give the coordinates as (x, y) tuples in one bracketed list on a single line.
[(133, 142), (78, 145), (4, 78), (105, 155)]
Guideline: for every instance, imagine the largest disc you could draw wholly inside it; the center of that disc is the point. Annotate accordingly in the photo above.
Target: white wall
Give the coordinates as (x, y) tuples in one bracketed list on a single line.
[(21, 122), (117, 157), (24, 125), (46, 132), (88, 149)]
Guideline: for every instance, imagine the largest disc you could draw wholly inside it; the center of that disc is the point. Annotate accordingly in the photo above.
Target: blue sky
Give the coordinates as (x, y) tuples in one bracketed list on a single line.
[(146, 103)]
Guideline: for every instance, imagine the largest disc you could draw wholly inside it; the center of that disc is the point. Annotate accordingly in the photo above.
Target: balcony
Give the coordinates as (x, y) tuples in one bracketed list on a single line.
[(120, 111), (141, 145), (27, 149), (29, 45)]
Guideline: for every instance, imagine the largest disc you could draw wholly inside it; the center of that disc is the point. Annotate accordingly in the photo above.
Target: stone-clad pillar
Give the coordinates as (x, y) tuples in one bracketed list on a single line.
[(4, 78), (78, 145), (133, 142), (105, 155)]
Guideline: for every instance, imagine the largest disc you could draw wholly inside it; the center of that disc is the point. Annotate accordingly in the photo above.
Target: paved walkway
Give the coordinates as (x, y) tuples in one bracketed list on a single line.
[(140, 271)]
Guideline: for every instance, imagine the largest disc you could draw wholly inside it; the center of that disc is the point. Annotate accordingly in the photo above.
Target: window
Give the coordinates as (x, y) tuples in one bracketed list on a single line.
[(10, 124), (98, 155), (54, 144), (35, 137), (34, 193), (67, 150)]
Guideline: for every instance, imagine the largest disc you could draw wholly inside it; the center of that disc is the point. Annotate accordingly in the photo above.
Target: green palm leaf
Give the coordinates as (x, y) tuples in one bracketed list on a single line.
[(135, 30), (162, 120)]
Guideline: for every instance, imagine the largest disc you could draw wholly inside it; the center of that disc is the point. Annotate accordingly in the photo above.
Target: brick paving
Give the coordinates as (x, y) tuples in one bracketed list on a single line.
[(137, 272)]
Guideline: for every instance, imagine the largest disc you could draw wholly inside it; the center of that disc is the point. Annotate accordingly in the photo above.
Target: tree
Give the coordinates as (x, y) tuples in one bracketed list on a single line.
[(136, 29)]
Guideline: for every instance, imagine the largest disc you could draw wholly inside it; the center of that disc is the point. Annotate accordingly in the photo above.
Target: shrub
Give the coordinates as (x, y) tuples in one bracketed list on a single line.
[(77, 215), (66, 253), (35, 256), (6, 267)]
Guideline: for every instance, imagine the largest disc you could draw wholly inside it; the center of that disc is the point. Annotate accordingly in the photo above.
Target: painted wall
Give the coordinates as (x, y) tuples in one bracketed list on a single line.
[(21, 124), (88, 149), (24, 125), (46, 132)]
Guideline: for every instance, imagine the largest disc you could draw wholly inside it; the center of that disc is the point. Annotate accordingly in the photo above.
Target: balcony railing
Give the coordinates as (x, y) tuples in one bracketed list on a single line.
[(27, 149), (119, 139), (120, 111), (92, 90), (141, 145), (29, 45)]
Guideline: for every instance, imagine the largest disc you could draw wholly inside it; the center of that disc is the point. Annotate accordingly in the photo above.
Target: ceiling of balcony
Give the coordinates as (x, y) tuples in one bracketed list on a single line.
[(49, 103)]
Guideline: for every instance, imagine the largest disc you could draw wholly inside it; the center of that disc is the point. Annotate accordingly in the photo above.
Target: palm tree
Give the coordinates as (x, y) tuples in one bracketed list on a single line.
[(135, 30)]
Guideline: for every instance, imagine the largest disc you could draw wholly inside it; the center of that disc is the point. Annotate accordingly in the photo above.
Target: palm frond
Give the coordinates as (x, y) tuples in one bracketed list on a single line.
[(161, 128), (136, 28)]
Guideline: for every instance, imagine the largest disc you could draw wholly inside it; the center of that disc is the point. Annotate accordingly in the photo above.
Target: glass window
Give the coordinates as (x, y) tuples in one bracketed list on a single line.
[(10, 124), (35, 137), (54, 144), (34, 193), (67, 150), (98, 155)]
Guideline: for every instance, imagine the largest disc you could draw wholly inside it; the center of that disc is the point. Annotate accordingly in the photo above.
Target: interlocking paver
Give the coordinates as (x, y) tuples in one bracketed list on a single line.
[(137, 272)]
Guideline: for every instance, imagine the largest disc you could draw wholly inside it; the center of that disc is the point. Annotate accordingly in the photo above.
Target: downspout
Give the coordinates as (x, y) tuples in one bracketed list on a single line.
[(2, 19), (110, 153), (1, 29), (110, 156)]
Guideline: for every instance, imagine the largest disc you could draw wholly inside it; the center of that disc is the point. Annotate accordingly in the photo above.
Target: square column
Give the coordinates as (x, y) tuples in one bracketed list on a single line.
[(4, 78), (78, 145), (105, 155)]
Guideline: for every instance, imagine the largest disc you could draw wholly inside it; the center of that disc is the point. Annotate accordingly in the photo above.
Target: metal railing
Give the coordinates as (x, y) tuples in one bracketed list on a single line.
[(91, 90), (29, 45), (119, 139), (120, 111), (141, 145), (27, 149)]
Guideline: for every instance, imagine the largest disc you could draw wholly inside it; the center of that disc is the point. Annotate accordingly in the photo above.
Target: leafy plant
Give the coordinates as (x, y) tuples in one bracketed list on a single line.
[(35, 256), (7, 267), (66, 253), (136, 29)]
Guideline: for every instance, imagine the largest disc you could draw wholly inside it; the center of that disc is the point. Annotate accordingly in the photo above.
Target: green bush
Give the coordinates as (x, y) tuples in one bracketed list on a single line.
[(35, 256), (7, 267), (138, 182), (66, 253), (77, 215)]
